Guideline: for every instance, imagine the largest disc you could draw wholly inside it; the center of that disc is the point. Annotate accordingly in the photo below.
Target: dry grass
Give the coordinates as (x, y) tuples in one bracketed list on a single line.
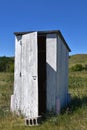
[(78, 59), (76, 119)]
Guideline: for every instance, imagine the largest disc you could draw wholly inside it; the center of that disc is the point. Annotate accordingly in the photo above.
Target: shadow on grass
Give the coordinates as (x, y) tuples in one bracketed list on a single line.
[(77, 103), (73, 106)]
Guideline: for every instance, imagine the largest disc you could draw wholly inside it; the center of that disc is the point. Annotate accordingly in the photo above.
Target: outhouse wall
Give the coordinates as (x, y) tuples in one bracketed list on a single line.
[(57, 72), (62, 72)]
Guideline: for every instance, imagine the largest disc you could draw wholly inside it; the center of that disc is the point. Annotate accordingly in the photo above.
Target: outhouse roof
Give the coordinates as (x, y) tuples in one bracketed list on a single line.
[(44, 33)]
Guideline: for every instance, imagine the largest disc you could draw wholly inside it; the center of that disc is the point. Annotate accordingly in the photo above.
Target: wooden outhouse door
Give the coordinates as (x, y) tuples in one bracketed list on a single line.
[(29, 77)]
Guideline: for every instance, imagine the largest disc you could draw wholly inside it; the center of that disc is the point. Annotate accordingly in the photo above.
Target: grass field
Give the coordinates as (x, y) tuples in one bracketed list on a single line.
[(73, 119)]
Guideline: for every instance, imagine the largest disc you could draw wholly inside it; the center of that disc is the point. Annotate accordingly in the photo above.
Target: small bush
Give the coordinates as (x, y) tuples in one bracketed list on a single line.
[(85, 67), (77, 67), (6, 64)]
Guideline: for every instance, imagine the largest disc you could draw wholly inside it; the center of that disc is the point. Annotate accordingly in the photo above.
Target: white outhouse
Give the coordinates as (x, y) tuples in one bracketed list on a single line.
[(41, 73)]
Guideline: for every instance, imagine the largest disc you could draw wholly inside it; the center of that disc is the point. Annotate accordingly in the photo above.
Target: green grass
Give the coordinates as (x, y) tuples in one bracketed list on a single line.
[(74, 119), (6, 86)]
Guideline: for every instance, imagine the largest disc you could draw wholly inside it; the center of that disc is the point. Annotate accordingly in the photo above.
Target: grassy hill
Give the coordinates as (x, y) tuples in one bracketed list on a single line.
[(78, 59), (74, 119)]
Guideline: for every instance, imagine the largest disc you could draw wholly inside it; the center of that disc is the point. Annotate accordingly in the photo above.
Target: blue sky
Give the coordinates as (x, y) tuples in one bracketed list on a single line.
[(68, 16)]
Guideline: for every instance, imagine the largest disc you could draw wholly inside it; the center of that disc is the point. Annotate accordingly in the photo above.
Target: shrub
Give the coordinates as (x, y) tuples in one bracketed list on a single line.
[(77, 67), (6, 64), (85, 67)]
